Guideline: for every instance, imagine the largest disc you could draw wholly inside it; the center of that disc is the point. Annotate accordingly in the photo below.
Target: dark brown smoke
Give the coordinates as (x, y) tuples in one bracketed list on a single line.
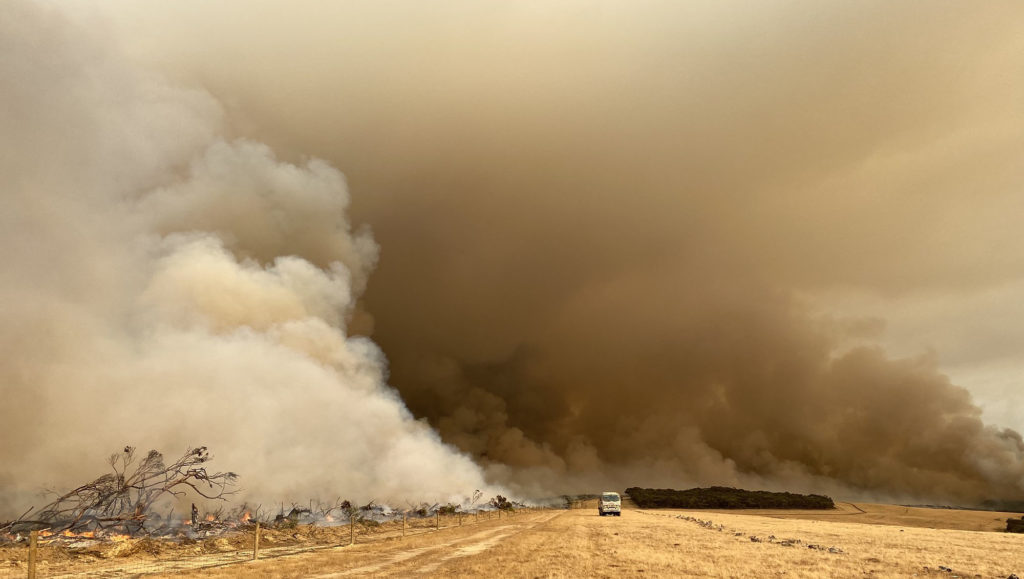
[(618, 242)]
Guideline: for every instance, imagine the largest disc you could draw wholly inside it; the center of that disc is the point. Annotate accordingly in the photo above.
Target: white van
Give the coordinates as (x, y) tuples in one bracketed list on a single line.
[(609, 503)]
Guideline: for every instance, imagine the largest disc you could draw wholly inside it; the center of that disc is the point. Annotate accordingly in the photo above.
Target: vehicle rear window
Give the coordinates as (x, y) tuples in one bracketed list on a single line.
[(610, 497)]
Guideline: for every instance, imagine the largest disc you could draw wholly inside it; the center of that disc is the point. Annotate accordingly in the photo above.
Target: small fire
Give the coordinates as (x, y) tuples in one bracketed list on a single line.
[(186, 522), (68, 533), (211, 518), (246, 517), (329, 518)]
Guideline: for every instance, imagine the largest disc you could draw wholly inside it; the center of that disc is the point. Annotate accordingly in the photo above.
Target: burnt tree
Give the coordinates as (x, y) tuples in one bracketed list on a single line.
[(122, 500)]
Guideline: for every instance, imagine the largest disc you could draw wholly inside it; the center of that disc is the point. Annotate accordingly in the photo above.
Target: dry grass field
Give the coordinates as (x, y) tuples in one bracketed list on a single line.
[(865, 540), (874, 514), (854, 540)]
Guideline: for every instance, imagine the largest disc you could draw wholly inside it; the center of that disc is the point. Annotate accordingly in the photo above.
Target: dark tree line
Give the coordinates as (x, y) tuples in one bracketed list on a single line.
[(725, 498)]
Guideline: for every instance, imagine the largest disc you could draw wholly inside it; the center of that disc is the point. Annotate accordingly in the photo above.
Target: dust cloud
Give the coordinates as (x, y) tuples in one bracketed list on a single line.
[(648, 243), (167, 284)]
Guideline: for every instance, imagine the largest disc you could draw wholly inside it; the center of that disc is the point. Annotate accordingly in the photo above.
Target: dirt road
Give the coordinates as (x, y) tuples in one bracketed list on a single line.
[(426, 554), (579, 543), (430, 559)]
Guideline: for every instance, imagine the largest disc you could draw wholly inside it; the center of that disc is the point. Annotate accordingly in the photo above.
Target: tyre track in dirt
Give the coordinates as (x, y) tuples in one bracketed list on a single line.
[(426, 560), (241, 558)]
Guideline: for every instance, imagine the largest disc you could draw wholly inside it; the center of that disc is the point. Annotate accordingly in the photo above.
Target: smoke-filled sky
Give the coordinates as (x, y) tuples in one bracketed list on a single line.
[(613, 243), (167, 284)]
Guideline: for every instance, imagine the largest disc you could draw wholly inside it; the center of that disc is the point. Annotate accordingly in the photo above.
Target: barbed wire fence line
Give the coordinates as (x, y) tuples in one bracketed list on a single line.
[(56, 556)]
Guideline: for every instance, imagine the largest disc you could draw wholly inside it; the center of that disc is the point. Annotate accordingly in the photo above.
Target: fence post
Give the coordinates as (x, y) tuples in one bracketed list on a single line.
[(477, 516), (405, 515), (352, 529), (33, 553), (256, 543), (437, 520), (460, 519)]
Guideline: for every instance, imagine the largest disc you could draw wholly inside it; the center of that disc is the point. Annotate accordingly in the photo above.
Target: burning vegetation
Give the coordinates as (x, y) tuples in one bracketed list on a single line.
[(135, 501)]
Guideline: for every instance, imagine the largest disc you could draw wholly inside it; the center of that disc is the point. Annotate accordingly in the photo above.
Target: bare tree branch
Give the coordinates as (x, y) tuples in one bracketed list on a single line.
[(122, 499)]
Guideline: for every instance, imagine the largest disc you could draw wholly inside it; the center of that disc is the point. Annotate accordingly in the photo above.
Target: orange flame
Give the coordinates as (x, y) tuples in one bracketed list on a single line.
[(329, 518), (68, 533), (246, 517), (211, 518)]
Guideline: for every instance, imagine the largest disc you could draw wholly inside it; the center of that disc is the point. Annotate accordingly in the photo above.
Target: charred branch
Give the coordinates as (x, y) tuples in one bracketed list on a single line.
[(123, 499)]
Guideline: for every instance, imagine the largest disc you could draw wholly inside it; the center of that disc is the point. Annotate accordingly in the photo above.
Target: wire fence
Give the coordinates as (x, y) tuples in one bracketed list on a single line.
[(37, 555)]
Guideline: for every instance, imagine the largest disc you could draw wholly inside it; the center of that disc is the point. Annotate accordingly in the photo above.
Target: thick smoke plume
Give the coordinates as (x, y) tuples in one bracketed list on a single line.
[(165, 286), (644, 243), (625, 243)]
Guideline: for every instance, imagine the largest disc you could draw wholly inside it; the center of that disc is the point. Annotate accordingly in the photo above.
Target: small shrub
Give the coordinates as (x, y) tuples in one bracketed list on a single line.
[(501, 503)]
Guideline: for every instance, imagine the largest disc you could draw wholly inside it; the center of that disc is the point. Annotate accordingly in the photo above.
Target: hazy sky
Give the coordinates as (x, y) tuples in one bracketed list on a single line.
[(660, 242)]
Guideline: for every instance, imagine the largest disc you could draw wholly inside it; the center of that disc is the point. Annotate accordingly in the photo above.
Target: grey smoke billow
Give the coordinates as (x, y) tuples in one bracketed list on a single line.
[(168, 285), (625, 243)]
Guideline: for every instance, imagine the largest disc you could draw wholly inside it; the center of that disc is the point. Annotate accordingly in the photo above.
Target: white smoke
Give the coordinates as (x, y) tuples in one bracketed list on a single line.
[(167, 286)]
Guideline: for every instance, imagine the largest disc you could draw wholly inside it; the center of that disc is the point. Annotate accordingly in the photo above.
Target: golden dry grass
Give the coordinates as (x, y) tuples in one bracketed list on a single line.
[(579, 543), (665, 543), (143, 556), (876, 514)]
